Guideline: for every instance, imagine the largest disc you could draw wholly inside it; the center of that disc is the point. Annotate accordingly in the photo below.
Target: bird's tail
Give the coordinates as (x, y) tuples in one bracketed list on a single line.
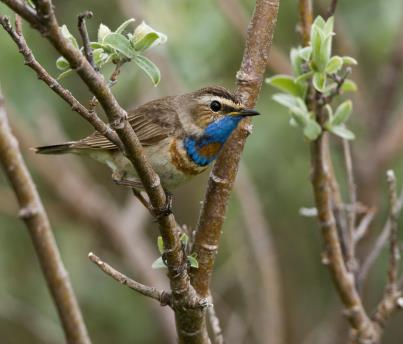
[(55, 149)]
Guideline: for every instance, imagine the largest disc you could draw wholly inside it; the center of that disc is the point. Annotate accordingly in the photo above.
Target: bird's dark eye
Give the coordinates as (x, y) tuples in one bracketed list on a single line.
[(215, 106)]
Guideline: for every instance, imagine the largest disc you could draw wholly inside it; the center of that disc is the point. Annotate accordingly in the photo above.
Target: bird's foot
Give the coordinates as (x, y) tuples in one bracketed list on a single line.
[(166, 210)]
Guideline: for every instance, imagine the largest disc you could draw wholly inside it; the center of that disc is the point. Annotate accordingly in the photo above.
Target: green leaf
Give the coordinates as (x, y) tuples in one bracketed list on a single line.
[(319, 81), (193, 262), (286, 100), (312, 130), (325, 53), (145, 42), (349, 86), (100, 57), (123, 26), (296, 61), (62, 63), (149, 68), (96, 45), (334, 65), (300, 117), (120, 43), (319, 22), (305, 53), (317, 39), (158, 264), (103, 31), (285, 83), (328, 27), (66, 34), (64, 74), (140, 40), (160, 244), (304, 77), (347, 60), (342, 131), (184, 239), (342, 113)]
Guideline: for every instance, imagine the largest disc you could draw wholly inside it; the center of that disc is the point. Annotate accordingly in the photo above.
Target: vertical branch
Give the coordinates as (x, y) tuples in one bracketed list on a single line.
[(35, 218), (393, 237), (332, 8), (305, 13), (249, 81), (392, 295), (343, 279), (351, 209)]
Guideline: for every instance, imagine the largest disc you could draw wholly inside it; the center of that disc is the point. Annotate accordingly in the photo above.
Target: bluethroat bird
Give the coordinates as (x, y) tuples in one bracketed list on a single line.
[(181, 136)]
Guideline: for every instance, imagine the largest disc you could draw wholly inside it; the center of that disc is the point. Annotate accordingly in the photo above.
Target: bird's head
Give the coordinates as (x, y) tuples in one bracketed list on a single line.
[(212, 104), (212, 115)]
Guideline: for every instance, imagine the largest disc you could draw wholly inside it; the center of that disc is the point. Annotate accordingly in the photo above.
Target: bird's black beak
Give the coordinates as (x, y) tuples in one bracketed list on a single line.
[(248, 112)]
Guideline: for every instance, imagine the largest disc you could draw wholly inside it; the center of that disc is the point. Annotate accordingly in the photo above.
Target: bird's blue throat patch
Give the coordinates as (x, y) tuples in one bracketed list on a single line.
[(205, 149)]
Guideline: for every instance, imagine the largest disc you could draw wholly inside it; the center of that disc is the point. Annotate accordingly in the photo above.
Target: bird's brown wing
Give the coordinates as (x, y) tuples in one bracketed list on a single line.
[(151, 122)]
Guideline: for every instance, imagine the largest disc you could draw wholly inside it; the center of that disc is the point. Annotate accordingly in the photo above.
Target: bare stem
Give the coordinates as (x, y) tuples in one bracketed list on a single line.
[(218, 337), (163, 297), (393, 237), (379, 243), (36, 219), (305, 13), (332, 8), (351, 210), (392, 293), (82, 28)]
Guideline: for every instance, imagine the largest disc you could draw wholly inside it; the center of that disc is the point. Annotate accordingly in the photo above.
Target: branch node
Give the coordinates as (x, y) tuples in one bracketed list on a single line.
[(28, 211), (219, 180)]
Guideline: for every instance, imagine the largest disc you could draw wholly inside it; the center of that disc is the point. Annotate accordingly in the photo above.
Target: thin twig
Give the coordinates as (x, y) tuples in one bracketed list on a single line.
[(351, 212), (332, 9), (35, 218), (363, 226), (82, 28), (379, 244), (393, 236), (163, 297), (218, 337), (54, 85), (305, 14)]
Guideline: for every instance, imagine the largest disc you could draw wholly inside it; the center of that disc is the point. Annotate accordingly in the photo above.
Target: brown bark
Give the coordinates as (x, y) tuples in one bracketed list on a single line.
[(249, 81), (33, 214)]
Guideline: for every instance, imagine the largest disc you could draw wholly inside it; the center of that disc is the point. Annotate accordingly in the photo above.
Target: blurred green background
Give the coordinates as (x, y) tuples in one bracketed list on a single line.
[(89, 213)]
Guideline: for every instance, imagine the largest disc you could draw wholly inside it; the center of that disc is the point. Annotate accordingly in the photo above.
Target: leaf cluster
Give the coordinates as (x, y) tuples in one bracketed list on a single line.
[(118, 47), (314, 66)]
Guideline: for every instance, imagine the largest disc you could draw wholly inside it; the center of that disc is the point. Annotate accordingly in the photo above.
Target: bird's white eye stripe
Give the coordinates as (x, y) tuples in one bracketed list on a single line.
[(224, 101)]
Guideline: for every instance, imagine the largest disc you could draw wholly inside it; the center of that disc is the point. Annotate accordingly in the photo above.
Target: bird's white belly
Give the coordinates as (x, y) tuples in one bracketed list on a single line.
[(160, 158)]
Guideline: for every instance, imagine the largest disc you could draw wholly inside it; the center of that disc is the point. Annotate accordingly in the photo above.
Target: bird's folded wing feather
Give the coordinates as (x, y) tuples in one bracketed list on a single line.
[(149, 124)]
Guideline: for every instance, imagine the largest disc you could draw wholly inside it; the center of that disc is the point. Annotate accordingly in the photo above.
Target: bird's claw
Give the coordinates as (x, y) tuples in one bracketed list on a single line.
[(166, 210)]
